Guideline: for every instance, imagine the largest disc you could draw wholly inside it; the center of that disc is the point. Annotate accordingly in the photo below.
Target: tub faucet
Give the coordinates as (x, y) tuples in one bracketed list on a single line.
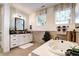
[(61, 41)]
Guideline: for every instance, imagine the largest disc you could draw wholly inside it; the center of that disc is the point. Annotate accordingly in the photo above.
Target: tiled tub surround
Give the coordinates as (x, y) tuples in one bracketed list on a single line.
[(40, 34)]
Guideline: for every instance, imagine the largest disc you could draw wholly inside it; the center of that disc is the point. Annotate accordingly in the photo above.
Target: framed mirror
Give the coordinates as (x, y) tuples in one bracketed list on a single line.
[(19, 24)]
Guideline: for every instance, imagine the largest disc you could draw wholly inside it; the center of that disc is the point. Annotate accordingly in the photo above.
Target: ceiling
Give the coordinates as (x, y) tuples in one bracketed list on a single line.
[(36, 6), (31, 7)]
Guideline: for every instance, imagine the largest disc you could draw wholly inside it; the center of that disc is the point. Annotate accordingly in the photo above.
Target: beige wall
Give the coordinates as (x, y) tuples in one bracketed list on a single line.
[(5, 27), (39, 31), (50, 22), (38, 35), (49, 26), (15, 11), (7, 13), (0, 19)]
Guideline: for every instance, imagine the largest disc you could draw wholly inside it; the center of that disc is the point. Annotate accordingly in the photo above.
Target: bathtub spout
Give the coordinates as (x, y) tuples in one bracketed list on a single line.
[(61, 41)]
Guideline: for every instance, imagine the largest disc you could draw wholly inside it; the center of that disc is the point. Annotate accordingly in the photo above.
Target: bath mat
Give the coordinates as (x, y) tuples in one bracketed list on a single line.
[(26, 45)]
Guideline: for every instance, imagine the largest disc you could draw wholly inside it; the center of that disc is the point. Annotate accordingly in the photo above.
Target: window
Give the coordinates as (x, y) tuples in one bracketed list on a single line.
[(63, 13), (63, 16), (41, 19), (77, 19), (77, 14)]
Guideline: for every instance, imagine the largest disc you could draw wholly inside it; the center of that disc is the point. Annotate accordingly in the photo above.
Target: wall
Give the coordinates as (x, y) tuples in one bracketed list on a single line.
[(50, 24), (77, 12), (38, 35), (7, 13), (0, 19), (38, 31), (5, 27), (15, 11)]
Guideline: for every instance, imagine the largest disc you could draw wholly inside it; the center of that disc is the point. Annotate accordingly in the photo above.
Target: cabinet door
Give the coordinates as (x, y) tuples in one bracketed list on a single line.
[(28, 38), (20, 39), (24, 38)]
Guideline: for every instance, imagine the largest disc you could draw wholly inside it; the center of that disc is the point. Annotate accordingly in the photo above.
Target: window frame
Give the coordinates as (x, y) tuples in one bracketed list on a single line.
[(37, 21), (62, 22)]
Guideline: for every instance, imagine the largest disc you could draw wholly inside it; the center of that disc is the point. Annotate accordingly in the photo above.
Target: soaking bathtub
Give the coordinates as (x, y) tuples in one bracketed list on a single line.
[(53, 48)]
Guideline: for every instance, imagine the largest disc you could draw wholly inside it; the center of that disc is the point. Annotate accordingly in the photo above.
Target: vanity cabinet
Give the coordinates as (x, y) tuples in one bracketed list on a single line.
[(19, 39)]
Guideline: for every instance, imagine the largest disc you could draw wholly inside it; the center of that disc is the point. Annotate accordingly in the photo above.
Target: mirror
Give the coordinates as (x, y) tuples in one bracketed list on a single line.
[(19, 24)]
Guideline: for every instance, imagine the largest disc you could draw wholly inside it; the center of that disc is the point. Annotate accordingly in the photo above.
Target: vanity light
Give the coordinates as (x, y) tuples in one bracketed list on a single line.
[(18, 15)]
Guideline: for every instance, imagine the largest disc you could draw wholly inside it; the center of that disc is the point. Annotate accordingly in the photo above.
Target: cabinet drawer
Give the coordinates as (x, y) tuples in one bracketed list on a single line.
[(13, 45), (13, 40), (12, 36), (20, 39)]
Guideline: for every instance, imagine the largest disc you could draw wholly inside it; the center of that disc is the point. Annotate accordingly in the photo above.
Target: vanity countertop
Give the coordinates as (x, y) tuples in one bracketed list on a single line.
[(19, 32)]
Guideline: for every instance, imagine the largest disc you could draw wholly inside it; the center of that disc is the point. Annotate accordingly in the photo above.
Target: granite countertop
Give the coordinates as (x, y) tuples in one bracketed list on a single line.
[(19, 32)]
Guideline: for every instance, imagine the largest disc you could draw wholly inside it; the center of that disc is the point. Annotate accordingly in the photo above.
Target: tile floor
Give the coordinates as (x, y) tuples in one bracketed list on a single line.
[(22, 52)]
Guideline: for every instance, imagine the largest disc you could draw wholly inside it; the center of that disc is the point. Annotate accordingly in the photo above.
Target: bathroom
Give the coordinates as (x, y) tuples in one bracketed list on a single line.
[(30, 25)]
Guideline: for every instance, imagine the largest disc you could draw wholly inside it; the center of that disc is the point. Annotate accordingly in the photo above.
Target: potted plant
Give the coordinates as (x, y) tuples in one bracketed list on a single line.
[(72, 52)]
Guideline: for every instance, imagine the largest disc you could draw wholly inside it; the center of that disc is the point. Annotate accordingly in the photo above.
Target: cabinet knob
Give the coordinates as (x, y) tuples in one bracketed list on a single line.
[(14, 44), (14, 35), (14, 39)]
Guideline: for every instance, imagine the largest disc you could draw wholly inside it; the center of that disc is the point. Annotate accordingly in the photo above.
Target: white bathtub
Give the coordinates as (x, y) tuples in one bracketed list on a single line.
[(53, 48), (59, 48)]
